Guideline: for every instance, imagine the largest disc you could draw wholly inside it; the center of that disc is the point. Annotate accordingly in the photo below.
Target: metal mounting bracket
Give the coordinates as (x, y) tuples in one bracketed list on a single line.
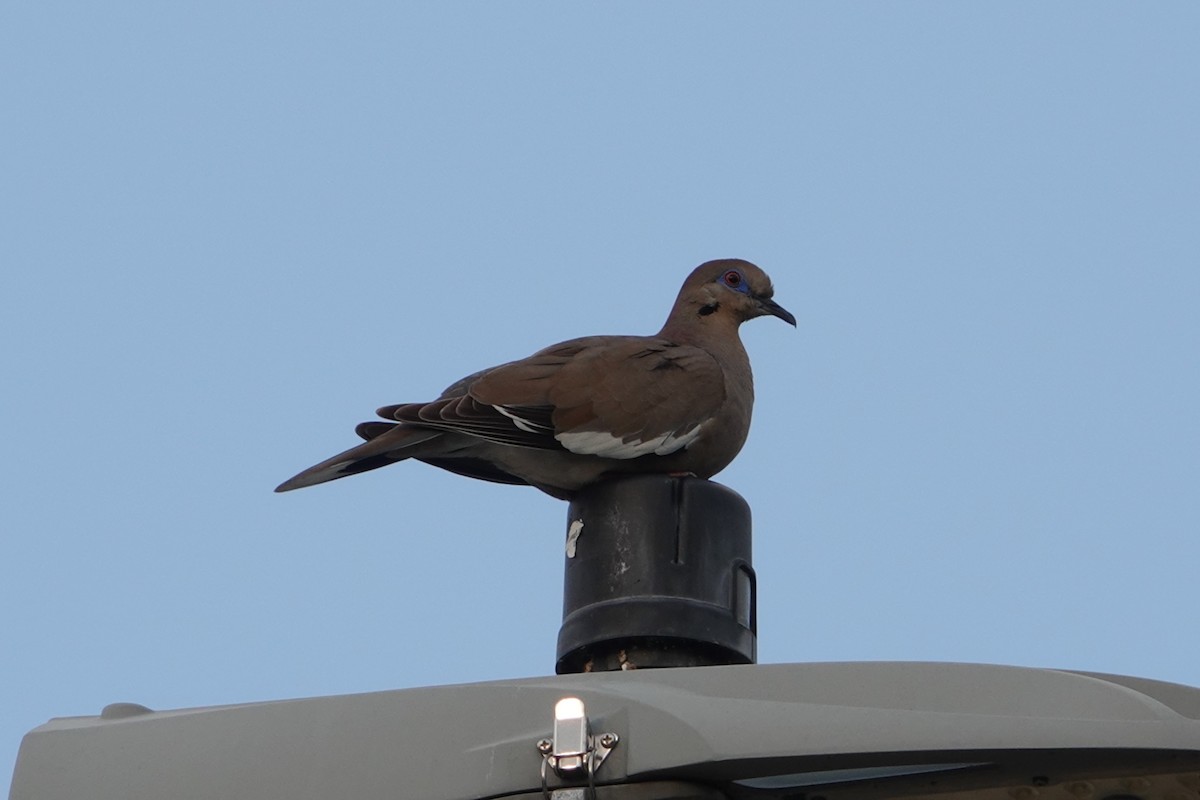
[(574, 753)]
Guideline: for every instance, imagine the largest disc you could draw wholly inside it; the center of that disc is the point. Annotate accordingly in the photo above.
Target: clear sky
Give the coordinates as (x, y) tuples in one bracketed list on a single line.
[(231, 230)]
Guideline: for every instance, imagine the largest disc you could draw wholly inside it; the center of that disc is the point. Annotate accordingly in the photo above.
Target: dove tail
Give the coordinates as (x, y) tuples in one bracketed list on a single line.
[(382, 448)]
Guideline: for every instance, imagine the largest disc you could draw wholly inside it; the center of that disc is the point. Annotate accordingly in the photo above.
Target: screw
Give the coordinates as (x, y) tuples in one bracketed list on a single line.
[(608, 740), (544, 746)]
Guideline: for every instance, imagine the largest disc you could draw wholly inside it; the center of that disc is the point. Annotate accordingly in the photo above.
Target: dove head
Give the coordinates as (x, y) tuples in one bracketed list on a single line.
[(725, 293)]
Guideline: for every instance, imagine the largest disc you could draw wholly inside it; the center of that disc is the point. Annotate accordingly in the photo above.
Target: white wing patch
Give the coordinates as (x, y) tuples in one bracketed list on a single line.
[(599, 443), (523, 424)]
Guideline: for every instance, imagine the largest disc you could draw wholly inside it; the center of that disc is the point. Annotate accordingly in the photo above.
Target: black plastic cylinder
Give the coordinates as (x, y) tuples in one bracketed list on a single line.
[(658, 574)]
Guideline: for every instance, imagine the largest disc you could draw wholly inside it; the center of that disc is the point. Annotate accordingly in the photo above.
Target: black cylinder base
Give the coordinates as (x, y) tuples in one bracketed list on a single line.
[(658, 574)]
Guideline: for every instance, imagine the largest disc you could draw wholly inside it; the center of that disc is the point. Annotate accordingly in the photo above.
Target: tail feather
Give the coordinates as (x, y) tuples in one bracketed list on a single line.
[(382, 448), (373, 430)]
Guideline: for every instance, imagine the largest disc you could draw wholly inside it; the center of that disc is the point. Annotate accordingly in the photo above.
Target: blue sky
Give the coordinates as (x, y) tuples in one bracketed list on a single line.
[(230, 231)]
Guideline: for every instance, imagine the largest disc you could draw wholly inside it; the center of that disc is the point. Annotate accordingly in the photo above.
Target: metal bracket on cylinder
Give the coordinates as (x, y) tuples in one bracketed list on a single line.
[(574, 753)]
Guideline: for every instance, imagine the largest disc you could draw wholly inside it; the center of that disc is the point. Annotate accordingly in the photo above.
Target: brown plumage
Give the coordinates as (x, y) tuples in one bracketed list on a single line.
[(584, 409)]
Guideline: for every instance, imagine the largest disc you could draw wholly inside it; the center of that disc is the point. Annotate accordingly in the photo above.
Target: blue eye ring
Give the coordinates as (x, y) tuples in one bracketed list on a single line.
[(733, 279)]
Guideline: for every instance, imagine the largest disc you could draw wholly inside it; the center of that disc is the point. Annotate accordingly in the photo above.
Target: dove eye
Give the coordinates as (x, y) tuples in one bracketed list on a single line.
[(733, 279)]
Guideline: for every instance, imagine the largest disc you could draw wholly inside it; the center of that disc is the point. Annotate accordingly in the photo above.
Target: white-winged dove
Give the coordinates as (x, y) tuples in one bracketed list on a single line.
[(576, 412)]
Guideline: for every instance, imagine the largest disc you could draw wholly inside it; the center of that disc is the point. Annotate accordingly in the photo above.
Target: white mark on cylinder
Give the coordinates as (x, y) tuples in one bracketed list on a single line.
[(573, 531)]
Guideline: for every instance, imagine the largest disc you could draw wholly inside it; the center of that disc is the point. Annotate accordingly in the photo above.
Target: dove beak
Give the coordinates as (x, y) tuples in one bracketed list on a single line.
[(768, 306)]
